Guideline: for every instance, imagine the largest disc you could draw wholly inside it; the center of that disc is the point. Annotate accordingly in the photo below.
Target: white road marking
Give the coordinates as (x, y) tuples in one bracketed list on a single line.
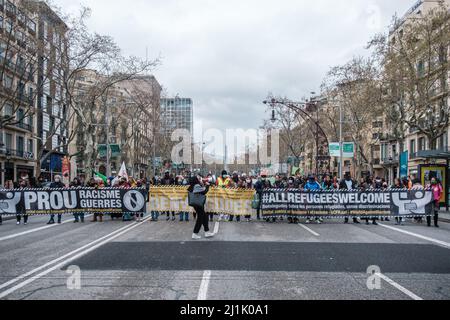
[(216, 228), (123, 229), (203, 291), (399, 287), (16, 235), (309, 230), (439, 242)]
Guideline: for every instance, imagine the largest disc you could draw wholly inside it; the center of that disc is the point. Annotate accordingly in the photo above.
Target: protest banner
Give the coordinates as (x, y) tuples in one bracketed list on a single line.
[(70, 201), (370, 203), (221, 201)]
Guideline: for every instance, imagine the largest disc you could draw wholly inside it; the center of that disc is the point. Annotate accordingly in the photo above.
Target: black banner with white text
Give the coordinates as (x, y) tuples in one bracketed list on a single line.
[(370, 203), (70, 201)]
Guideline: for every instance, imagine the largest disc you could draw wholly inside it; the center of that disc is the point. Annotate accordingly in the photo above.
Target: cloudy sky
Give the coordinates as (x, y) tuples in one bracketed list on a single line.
[(228, 55)]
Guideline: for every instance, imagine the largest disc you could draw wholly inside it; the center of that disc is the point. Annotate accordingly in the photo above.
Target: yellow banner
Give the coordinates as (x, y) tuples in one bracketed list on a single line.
[(222, 201)]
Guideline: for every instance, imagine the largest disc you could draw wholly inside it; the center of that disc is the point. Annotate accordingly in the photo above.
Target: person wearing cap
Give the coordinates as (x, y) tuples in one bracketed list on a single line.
[(56, 184)]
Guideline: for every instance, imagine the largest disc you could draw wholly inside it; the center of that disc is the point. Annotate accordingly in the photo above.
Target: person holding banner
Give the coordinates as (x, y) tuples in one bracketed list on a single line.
[(348, 184), (197, 199), (20, 208), (76, 183), (168, 180), (313, 186), (56, 184), (437, 189)]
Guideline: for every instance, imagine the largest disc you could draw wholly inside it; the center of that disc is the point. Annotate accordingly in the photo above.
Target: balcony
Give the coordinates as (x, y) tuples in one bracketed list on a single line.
[(392, 160), (24, 126), (441, 153), (16, 154)]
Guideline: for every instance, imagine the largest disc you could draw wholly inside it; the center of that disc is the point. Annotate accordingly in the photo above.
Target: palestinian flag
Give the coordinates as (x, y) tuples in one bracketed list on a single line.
[(104, 178)]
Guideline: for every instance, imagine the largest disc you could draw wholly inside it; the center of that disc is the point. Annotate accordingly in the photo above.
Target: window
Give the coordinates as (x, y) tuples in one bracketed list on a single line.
[(20, 146), (9, 27), (1, 22), (2, 51), (412, 147), (9, 110), (31, 25), (10, 7), (31, 146), (21, 17), (20, 115), (421, 144), (7, 82), (8, 141)]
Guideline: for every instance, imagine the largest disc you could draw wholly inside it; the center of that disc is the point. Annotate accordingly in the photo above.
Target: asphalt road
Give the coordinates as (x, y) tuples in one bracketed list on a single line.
[(245, 261)]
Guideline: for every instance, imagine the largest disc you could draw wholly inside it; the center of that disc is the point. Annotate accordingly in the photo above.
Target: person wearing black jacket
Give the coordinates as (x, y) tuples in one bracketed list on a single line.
[(260, 185), (56, 184), (196, 186), (348, 184), (76, 183)]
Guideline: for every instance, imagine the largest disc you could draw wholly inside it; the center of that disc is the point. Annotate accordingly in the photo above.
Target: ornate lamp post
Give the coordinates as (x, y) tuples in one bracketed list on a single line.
[(301, 109)]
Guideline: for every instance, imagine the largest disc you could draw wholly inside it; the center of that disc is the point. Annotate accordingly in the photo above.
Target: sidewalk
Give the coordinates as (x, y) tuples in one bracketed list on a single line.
[(444, 216)]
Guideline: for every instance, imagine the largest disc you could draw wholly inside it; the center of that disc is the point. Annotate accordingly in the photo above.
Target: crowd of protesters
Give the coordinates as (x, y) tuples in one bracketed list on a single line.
[(235, 180)]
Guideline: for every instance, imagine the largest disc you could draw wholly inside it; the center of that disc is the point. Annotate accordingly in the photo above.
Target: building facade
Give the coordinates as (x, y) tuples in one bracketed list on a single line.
[(421, 151), (52, 109), (125, 121), (177, 113), (22, 77)]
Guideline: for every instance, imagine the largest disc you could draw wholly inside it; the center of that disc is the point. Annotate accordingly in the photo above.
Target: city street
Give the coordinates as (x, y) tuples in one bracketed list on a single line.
[(245, 261)]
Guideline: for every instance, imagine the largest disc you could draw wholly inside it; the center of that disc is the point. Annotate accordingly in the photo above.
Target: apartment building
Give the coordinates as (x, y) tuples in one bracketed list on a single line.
[(52, 109), (422, 152), (18, 90), (177, 113), (125, 120)]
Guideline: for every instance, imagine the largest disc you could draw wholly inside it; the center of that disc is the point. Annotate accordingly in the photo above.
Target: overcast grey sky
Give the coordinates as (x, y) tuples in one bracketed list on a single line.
[(228, 55)]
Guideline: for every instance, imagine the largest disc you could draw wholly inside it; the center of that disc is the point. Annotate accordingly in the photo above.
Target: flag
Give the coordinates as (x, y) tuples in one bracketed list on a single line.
[(123, 172), (104, 178)]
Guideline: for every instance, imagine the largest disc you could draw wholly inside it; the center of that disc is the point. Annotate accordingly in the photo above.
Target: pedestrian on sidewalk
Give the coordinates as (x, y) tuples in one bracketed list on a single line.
[(437, 189), (198, 190)]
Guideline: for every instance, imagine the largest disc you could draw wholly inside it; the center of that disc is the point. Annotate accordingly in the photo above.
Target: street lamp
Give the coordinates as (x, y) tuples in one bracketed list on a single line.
[(299, 108)]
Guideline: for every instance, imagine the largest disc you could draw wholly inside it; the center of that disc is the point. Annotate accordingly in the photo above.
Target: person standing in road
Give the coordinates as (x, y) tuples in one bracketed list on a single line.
[(23, 184), (437, 189), (76, 183), (399, 185), (260, 185), (9, 185), (168, 180), (313, 186), (348, 184), (56, 184), (197, 187), (417, 185), (224, 181)]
